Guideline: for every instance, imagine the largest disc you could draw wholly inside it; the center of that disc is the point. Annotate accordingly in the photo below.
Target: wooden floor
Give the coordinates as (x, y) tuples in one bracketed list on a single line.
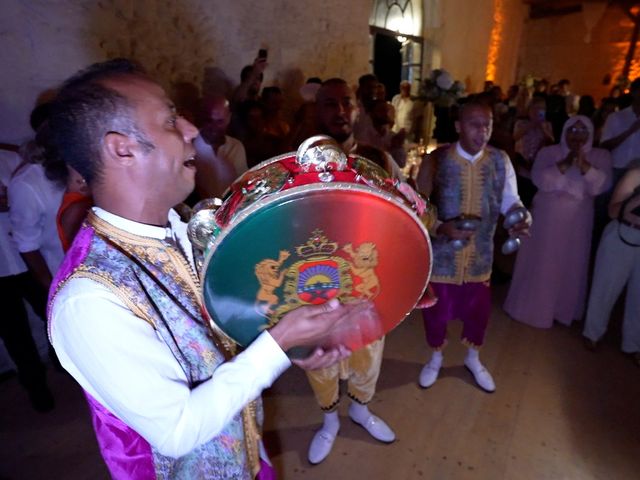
[(559, 412)]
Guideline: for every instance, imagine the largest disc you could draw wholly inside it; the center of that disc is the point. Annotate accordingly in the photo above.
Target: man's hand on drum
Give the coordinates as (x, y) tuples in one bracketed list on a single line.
[(320, 326), (322, 357)]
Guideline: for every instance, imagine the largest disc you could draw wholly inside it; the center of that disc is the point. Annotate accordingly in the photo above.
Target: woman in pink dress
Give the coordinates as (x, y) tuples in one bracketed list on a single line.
[(550, 277)]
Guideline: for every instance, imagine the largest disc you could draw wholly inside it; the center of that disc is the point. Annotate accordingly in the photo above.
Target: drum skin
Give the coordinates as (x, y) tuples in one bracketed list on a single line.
[(301, 241)]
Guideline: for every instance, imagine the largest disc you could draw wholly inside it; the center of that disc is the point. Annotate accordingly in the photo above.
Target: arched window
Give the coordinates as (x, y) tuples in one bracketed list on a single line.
[(396, 28), (399, 16)]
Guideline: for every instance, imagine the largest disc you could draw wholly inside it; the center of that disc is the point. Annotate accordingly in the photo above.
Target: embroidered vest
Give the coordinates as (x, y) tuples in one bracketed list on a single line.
[(157, 283), (462, 187)]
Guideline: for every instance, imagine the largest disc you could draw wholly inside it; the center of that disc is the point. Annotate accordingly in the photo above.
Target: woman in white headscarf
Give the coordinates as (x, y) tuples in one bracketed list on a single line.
[(550, 277)]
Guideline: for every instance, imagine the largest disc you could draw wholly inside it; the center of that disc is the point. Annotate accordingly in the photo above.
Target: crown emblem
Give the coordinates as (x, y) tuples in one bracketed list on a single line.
[(318, 244)]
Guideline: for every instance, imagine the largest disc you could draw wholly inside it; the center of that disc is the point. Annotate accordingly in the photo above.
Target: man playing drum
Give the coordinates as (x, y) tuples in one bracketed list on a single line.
[(168, 398)]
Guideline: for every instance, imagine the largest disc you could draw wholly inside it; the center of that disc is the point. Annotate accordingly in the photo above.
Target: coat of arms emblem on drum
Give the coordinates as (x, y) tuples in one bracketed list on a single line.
[(320, 270)]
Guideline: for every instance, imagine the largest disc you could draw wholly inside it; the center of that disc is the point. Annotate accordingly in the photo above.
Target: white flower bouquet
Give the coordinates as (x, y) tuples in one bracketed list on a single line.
[(441, 89)]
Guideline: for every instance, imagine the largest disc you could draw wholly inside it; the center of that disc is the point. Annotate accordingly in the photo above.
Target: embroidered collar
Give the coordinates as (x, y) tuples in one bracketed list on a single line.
[(136, 228)]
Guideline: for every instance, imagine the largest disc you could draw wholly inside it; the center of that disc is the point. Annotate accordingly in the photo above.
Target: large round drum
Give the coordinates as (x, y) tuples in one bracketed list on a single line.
[(303, 229)]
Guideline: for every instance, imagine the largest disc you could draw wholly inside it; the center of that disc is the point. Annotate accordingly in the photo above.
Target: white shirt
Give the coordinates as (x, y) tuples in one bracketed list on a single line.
[(35, 201), (10, 261), (616, 124), (510, 191), (404, 111), (231, 150), (122, 362), (363, 129)]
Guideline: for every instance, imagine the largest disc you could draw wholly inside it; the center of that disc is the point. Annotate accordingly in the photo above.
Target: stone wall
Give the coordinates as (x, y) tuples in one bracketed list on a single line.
[(464, 42), (459, 36), (514, 13), (44, 41), (556, 48)]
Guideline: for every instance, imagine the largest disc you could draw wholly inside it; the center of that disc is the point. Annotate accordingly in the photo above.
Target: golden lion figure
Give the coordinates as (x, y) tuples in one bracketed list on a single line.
[(364, 261), (270, 278)]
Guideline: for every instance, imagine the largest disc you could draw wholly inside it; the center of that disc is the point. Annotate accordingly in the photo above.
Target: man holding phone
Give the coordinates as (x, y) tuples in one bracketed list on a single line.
[(251, 78)]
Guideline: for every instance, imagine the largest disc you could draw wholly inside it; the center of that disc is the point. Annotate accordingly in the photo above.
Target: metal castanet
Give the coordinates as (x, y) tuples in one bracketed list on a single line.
[(512, 244)]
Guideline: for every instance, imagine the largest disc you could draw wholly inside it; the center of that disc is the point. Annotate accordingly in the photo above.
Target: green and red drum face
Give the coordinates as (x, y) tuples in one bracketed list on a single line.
[(306, 227), (311, 242)]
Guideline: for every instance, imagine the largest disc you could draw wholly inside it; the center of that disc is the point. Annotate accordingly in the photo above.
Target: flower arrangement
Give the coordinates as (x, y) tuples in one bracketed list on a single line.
[(441, 89)]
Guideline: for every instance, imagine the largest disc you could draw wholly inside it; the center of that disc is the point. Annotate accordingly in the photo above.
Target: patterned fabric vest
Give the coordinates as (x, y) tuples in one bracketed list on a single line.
[(465, 188), (157, 283)]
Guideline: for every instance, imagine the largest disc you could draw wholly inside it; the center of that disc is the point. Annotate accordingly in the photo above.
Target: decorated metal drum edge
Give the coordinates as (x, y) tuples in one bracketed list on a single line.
[(286, 156), (265, 163), (277, 159), (294, 192), (257, 167), (289, 155)]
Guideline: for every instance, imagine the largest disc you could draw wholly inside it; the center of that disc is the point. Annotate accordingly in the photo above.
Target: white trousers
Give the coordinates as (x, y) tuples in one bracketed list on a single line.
[(617, 265)]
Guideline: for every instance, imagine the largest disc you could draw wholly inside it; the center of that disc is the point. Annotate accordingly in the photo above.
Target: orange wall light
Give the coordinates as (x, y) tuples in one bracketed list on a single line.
[(495, 41)]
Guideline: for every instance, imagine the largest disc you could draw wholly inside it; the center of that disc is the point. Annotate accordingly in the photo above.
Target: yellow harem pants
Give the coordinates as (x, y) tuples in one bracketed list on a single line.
[(361, 370)]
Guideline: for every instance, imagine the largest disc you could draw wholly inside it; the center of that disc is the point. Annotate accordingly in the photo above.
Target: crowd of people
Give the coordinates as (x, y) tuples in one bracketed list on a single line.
[(112, 156)]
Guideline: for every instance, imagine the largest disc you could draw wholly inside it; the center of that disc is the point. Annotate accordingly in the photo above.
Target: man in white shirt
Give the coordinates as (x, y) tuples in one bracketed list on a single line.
[(621, 134), (220, 159), (168, 397), (17, 285), (35, 201), (404, 108)]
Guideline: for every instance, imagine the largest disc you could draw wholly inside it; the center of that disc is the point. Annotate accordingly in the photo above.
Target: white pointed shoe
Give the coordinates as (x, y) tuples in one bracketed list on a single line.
[(482, 377), (376, 427), (428, 375), (321, 446)]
